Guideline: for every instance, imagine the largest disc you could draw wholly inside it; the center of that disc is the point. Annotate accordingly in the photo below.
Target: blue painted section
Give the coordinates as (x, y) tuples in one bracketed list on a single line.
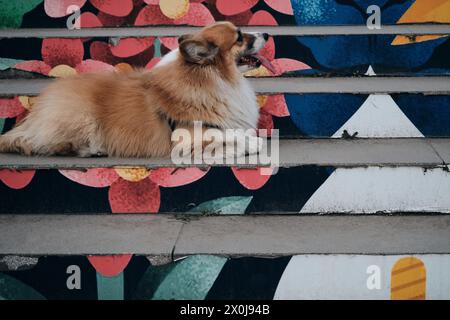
[(345, 12), (321, 115), (430, 114), (337, 52), (358, 52)]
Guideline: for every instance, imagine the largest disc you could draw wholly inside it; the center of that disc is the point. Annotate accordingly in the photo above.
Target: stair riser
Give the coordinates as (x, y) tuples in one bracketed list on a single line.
[(306, 189), (327, 115), (292, 277)]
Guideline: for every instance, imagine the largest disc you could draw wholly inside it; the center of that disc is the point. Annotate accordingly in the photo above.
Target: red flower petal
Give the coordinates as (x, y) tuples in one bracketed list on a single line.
[(56, 51), (88, 20), (110, 266), (151, 1), (16, 179), (286, 65), (266, 19), (93, 66), (240, 19), (21, 116), (128, 47), (269, 49), (34, 66), (175, 177), (262, 18), (134, 197), (142, 59), (276, 106), (109, 20), (251, 179), (118, 8), (283, 6), (97, 177), (101, 51), (198, 15), (152, 63), (229, 8), (169, 42), (59, 8), (265, 122), (151, 15), (10, 108)]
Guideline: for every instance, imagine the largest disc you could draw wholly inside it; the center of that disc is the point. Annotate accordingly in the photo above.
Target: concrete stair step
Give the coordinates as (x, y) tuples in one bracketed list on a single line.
[(272, 85), (169, 236), (174, 31), (383, 152)]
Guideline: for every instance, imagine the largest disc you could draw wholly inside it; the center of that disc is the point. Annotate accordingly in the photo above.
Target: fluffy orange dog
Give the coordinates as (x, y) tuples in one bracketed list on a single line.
[(130, 114)]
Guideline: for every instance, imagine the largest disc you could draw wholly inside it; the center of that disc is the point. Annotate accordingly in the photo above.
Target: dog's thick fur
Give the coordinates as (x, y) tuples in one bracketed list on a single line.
[(129, 114)]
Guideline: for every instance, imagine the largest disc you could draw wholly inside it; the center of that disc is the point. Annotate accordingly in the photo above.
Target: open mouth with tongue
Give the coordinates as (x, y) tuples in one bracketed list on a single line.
[(254, 61)]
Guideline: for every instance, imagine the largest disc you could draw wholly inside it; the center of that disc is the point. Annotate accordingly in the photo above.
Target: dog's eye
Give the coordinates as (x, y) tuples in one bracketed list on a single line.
[(240, 37)]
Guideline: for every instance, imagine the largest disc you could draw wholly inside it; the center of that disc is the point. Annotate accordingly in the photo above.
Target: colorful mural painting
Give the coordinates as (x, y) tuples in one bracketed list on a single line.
[(242, 191), (213, 277), (220, 190)]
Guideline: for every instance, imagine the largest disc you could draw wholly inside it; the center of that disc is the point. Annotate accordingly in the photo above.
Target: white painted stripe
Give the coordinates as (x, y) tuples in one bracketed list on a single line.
[(345, 277), (382, 189), (379, 117)]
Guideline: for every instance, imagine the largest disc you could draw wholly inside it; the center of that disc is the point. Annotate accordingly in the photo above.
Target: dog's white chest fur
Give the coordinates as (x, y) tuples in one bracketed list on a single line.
[(240, 99), (242, 104)]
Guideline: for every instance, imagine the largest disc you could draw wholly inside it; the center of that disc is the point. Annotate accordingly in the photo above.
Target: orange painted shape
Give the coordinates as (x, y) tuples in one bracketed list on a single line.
[(401, 40), (427, 11), (408, 279)]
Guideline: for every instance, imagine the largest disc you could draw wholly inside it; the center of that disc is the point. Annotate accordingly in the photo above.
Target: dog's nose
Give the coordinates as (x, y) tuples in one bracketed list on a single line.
[(265, 36)]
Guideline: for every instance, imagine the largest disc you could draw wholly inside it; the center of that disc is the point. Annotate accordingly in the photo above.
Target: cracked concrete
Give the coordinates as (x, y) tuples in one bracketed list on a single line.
[(163, 238)]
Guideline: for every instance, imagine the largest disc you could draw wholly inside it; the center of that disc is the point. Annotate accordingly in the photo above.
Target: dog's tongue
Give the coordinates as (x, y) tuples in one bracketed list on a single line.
[(266, 63)]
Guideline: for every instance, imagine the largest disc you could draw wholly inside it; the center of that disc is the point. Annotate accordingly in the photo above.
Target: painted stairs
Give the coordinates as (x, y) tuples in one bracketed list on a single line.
[(358, 207)]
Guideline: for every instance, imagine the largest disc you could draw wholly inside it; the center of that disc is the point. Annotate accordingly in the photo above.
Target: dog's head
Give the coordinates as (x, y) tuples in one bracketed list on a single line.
[(222, 44)]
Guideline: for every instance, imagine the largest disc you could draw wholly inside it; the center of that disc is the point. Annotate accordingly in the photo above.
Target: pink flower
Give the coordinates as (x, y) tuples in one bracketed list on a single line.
[(229, 8)]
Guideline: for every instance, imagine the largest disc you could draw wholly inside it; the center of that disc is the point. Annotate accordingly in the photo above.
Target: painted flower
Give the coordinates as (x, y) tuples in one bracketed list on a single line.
[(135, 189), (174, 12), (229, 8)]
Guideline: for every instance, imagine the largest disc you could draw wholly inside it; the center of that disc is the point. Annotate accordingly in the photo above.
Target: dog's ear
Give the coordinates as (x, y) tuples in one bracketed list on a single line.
[(184, 37), (197, 51)]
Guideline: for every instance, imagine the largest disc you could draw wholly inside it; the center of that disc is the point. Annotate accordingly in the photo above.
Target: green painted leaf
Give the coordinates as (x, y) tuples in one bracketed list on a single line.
[(190, 278), (13, 289), (226, 205), (12, 11), (2, 124), (157, 48), (151, 279), (6, 63), (110, 288)]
